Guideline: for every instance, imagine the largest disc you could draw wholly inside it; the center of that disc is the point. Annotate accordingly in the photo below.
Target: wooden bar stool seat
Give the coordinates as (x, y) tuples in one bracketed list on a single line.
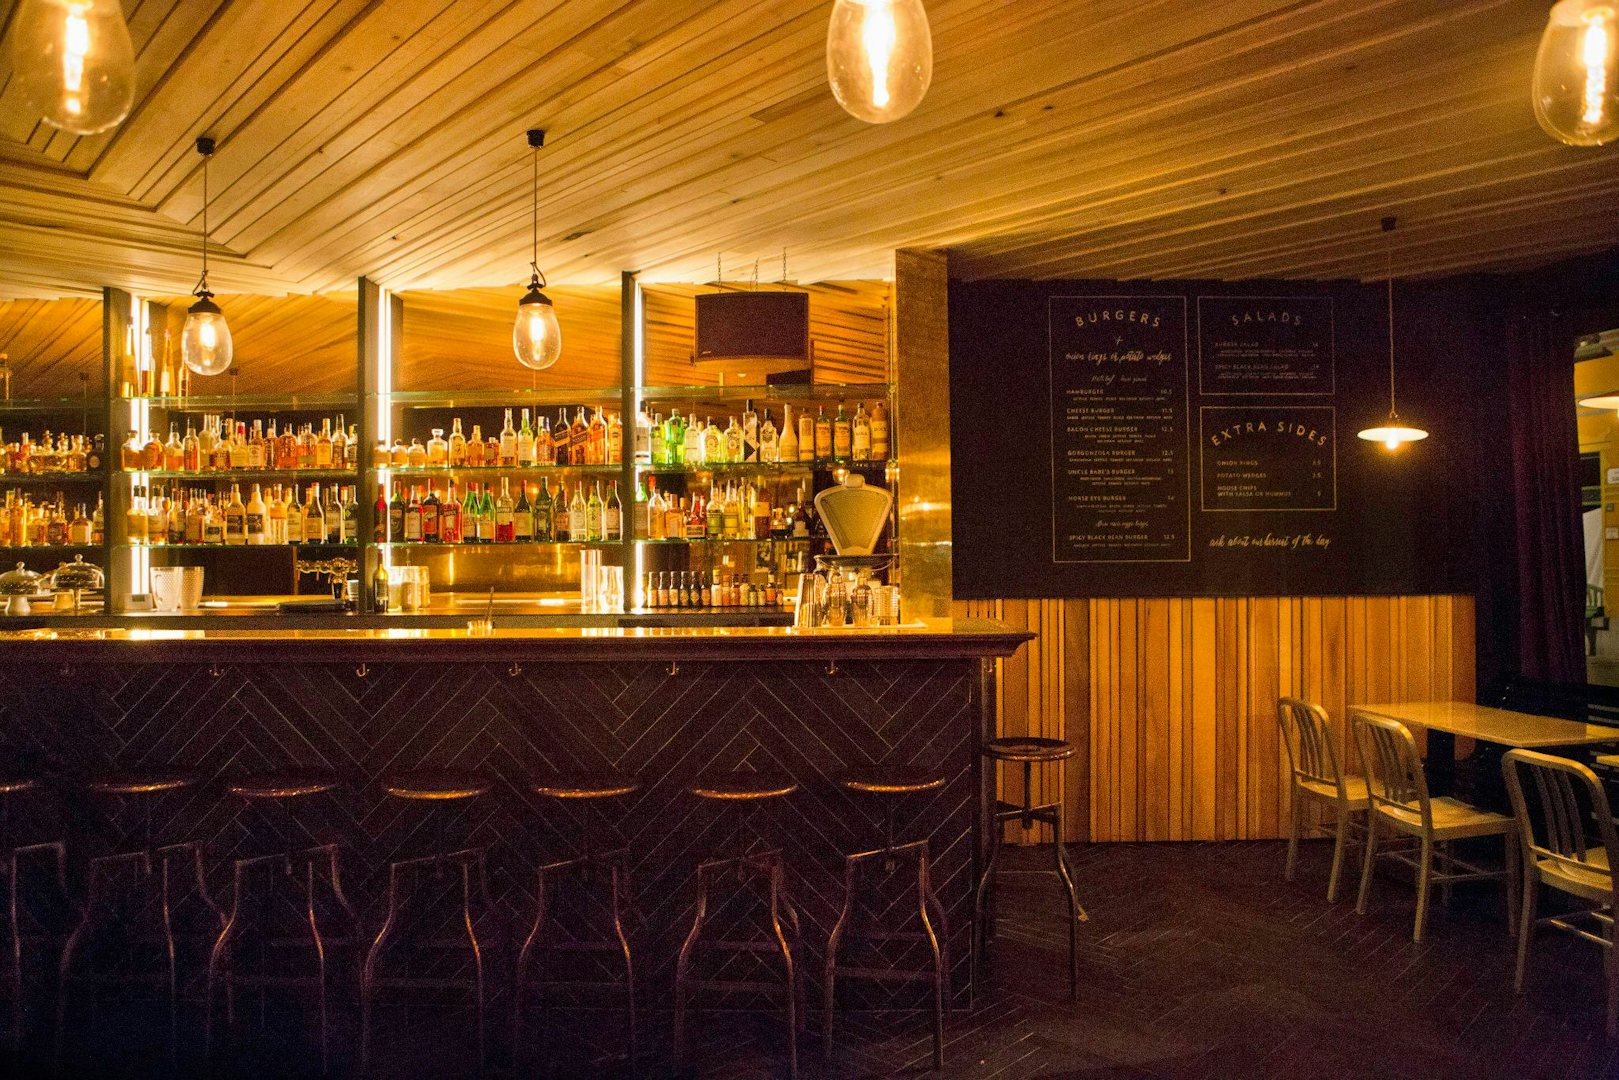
[(749, 792), (16, 785), (891, 784), (283, 785), (433, 785), (1028, 751), (591, 872), (138, 783)]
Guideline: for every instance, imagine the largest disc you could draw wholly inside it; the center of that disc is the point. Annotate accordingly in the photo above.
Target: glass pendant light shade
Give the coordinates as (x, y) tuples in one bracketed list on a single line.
[(879, 57), (73, 62), (1394, 433), (1576, 88), (205, 343), (537, 336)]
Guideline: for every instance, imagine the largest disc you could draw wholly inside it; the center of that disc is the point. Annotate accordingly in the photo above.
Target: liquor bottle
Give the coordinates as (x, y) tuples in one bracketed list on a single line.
[(213, 525), (860, 434), (697, 520), (438, 451), (714, 526), (613, 515), (254, 518), (787, 447), (416, 456), (615, 439), (413, 518), (396, 516), (733, 514), (475, 449), (594, 514), (255, 446), (430, 517), (379, 526), (578, 438), (98, 522), (456, 451), (469, 513), (486, 514), (842, 437), (675, 526), (545, 449), (235, 517), (879, 432), (295, 517), (638, 525), (314, 517), (674, 439), (769, 441), (504, 525), (78, 529), (654, 515), (449, 518), (350, 506), (508, 443), (655, 446), (525, 443), (543, 512), (751, 436), (379, 588), (761, 515), (734, 447), (692, 446), (340, 445), (286, 452), (275, 518), (578, 515), (173, 452), (643, 437), (151, 453), (596, 440), (806, 436), (522, 516)]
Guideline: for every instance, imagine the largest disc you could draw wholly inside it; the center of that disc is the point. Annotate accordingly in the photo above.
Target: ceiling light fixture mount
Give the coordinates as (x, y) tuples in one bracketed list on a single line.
[(1393, 432), (205, 343), (536, 336)]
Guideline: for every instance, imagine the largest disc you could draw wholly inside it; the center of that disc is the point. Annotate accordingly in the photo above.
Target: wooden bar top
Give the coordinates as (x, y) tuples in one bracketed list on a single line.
[(936, 639), (1494, 725)]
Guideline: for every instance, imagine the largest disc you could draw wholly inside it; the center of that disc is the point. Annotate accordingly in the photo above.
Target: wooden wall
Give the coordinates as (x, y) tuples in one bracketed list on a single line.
[(1173, 702)]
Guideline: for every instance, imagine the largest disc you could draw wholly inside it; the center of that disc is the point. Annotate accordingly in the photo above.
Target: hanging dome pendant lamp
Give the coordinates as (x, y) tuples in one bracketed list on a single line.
[(205, 343), (1394, 432), (536, 336)]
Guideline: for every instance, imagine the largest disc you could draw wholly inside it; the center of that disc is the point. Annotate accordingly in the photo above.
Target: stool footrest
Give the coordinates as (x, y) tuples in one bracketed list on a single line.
[(885, 974), (738, 986)]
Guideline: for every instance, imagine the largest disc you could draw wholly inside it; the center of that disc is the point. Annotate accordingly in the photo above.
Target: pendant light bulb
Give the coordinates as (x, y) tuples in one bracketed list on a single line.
[(879, 57), (537, 335), (73, 62), (205, 342), (1394, 432), (1576, 88)]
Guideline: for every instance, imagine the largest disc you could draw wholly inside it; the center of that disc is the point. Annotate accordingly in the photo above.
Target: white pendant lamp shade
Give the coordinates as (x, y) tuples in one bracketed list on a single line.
[(1576, 87), (536, 335), (73, 62), (879, 57), (1393, 432), (205, 342)]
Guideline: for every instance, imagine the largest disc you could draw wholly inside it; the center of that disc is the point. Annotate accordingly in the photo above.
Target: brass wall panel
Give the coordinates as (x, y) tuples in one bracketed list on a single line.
[(922, 430)]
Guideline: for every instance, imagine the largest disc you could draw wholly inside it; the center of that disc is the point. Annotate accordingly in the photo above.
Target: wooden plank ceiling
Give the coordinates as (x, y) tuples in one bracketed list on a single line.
[(1108, 138)]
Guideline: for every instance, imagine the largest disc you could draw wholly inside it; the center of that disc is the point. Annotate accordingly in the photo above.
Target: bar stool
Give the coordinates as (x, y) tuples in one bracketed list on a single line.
[(748, 792), (13, 786), (590, 790), (103, 902), (1027, 750), (253, 885), (439, 789), (892, 783)]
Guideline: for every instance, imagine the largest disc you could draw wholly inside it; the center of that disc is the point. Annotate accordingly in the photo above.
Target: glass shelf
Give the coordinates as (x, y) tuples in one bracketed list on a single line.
[(474, 399), (722, 540), (47, 478), (417, 545), (259, 402), (12, 549), (92, 405), (496, 470), (764, 467), (324, 545), (244, 474), (788, 392)]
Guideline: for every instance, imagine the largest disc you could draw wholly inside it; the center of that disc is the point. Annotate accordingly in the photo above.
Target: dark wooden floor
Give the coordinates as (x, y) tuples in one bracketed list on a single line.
[(1199, 963)]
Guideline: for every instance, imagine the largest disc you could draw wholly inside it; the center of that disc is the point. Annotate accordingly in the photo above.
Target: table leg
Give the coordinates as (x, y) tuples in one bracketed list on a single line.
[(1440, 764)]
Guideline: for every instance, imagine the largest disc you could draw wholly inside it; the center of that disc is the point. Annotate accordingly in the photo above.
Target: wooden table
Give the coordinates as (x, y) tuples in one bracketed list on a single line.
[(1444, 720)]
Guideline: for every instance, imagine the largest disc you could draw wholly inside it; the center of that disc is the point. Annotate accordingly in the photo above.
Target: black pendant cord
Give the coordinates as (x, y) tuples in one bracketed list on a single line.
[(205, 147), (536, 139), (1392, 409)]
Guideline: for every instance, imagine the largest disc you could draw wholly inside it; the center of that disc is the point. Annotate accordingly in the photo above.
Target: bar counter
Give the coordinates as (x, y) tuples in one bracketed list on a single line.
[(664, 704)]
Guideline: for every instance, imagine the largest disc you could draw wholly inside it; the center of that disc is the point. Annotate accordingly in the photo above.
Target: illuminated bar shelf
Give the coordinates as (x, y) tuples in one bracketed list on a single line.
[(826, 393), (484, 399), (756, 467), (52, 405), (245, 474), (52, 478), (492, 471), (24, 549), (347, 545), (251, 402), (508, 546)]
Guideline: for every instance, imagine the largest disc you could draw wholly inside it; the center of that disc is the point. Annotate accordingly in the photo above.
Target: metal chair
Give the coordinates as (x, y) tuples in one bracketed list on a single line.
[(254, 884), (1558, 852), (1313, 761), (405, 876), (746, 791), (891, 784), (587, 867), (1400, 802), (11, 787), (1027, 750)]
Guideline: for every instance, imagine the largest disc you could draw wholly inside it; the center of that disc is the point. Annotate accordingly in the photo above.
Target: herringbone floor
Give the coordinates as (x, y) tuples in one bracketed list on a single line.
[(1200, 963)]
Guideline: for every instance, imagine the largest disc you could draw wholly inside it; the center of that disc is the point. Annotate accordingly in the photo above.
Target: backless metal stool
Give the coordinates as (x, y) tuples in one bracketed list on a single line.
[(441, 790), (12, 787), (1027, 750), (256, 883), (748, 792), (132, 888), (591, 869), (892, 783)]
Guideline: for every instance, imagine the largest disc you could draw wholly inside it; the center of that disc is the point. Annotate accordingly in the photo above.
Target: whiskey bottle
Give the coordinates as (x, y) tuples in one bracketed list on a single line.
[(806, 436), (508, 443), (579, 515), (787, 448), (430, 517), (522, 516), (456, 450), (543, 511), (842, 436), (449, 518), (413, 518), (255, 518), (525, 442), (860, 432), (879, 432), (235, 517)]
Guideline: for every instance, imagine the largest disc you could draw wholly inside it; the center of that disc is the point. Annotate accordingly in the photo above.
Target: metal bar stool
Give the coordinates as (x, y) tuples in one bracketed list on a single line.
[(254, 885), (748, 791), (434, 788), (590, 790), (1027, 750), (140, 869), (892, 783), (12, 787)]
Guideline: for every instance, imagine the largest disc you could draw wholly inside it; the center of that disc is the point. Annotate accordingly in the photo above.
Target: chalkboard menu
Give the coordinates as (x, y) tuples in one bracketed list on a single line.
[(1192, 438), (1119, 482)]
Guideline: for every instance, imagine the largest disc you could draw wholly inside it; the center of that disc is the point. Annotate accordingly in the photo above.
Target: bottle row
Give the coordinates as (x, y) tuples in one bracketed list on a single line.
[(485, 516), (49, 523), (732, 512), (51, 454), (598, 440), (843, 438), (274, 515), (690, 590), (225, 444)]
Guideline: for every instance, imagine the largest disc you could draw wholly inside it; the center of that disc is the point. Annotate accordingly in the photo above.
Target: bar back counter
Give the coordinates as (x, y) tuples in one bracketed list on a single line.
[(664, 706)]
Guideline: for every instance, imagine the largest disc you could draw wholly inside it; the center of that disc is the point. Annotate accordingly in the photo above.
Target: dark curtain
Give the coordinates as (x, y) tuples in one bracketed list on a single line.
[(1544, 439)]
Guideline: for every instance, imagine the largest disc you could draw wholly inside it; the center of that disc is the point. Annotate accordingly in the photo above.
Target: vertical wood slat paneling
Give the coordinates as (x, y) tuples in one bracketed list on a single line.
[(1172, 702)]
